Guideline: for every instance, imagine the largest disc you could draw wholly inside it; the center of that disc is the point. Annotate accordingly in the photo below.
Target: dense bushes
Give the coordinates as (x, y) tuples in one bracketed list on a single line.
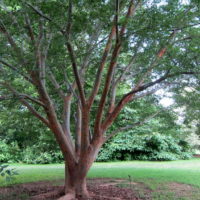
[(35, 154), (152, 147), (24, 139), (9, 152), (123, 147), (8, 173)]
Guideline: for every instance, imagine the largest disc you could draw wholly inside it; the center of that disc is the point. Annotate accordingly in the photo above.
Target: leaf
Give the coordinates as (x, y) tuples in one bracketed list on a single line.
[(4, 166), (2, 174), (8, 172)]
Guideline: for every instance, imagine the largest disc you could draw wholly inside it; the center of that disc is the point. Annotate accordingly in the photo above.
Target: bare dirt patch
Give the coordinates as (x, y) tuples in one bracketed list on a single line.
[(101, 189), (182, 189)]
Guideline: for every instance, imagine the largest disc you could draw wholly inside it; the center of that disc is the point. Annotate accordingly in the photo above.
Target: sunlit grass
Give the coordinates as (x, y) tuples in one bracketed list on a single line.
[(187, 171)]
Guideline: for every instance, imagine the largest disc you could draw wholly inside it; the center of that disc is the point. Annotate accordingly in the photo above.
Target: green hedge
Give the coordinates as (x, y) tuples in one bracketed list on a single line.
[(35, 154), (9, 152), (124, 147), (154, 147)]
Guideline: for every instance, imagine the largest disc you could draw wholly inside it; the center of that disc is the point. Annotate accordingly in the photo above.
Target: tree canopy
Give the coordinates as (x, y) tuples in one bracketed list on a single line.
[(64, 60)]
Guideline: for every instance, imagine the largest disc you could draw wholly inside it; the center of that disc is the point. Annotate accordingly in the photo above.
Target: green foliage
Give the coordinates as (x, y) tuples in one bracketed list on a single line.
[(34, 155), (9, 152), (150, 29), (34, 144), (149, 147), (148, 171), (8, 173), (25, 139)]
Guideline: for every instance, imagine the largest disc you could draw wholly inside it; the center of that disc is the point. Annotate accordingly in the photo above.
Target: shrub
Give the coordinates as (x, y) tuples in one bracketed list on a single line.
[(34, 155), (7, 173), (9, 152), (149, 147), (186, 155)]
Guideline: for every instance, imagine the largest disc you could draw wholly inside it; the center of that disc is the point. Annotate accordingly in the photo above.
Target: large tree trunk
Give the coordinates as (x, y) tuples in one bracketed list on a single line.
[(75, 174), (75, 182)]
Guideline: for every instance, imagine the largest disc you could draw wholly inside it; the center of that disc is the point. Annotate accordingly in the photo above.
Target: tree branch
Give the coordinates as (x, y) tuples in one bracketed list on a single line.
[(26, 96), (66, 118), (101, 66), (2, 98), (147, 93), (72, 88), (72, 56), (90, 47), (25, 103), (129, 96), (78, 131), (11, 41), (119, 79), (130, 126), (8, 36), (159, 55), (34, 112), (55, 84), (39, 12), (113, 63), (16, 70), (76, 73), (29, 28), (116, 20)]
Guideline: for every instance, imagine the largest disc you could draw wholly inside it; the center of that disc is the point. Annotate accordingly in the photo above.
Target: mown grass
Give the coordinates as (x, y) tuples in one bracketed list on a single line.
[(152, 178), (151, 173), (34, 173), (187, 171)]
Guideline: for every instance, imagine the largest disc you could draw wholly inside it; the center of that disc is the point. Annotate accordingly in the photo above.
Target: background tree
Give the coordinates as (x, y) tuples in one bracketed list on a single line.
[(188, 103), (23, 137), (159, 138), (58, 55)]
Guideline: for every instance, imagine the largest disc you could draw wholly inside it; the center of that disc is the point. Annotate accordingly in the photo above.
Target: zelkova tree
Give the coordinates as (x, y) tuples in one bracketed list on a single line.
[(66, 61)]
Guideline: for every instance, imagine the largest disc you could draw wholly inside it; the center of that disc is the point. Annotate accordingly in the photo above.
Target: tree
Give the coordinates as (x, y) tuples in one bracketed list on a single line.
[(188, 100), (68, 59)]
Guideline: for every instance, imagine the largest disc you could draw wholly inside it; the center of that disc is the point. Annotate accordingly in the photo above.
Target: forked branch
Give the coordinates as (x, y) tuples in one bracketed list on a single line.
[(16, 70), (25, 103), (112, 65), (130, 126), (130, 96), (73, 57)]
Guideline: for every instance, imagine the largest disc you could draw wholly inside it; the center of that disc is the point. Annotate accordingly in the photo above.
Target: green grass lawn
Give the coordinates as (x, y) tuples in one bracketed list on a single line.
[(154, 180), (186, 171)]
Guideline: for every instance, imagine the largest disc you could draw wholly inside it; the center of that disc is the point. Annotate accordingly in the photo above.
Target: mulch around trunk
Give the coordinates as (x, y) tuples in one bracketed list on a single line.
[(100, 189)]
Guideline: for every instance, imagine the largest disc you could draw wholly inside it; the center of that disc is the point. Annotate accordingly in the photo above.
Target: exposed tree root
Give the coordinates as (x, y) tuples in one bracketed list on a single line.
[(105, 197), (49, 195), (68, 197)]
